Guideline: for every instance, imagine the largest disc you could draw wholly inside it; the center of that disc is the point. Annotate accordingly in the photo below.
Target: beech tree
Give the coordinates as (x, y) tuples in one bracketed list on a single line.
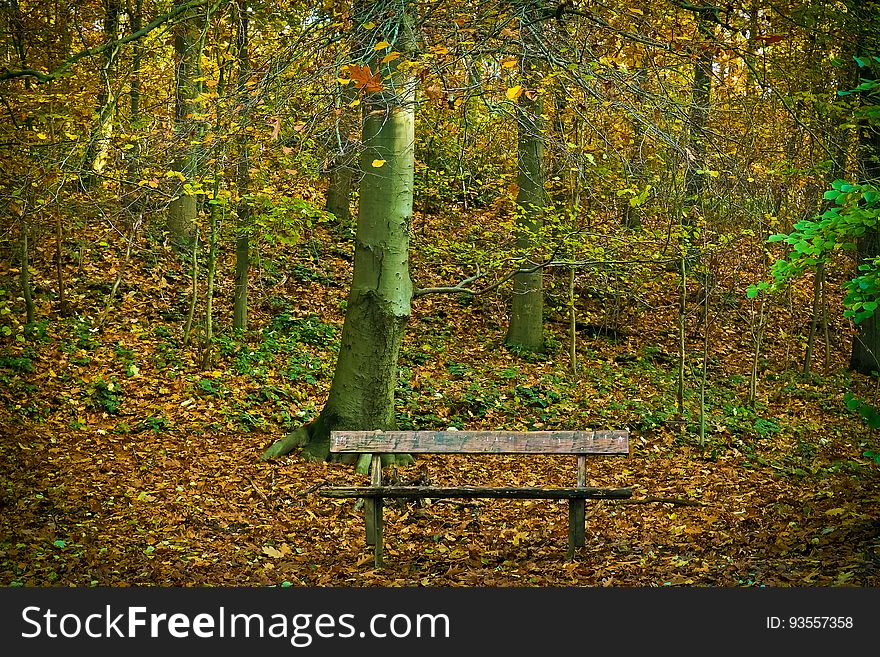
[(378, 307), (526, 327)]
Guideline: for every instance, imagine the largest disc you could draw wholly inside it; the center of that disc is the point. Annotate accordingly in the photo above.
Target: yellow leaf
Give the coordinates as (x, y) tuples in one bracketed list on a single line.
[(369, 26), (355, 102), (378, 163), (514, 92), (390, 57), (42, 135), (510, 63), (343, 81), (268, 550), (71, 136), (381, 45)]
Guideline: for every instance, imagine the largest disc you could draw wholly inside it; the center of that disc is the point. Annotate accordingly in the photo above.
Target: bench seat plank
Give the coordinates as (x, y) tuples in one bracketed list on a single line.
[(474, 492), (481, 442)]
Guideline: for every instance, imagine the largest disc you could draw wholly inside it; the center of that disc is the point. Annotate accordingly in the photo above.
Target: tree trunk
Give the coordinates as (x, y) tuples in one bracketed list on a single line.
[(59, 264), (865, 355), (339, 186), (695, 176), (526, 327), (187, 51), (96, 153), (630, 216), (25, 276), (344, 160), (362, 392), (137, 56), (242, 242)]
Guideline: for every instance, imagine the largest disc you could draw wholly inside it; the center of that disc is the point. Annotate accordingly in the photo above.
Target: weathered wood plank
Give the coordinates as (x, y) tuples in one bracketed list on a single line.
[(468, 492), (482, 442)]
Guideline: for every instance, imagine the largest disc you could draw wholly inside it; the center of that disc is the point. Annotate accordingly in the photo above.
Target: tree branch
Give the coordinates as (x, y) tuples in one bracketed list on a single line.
[(43, 78), (461, 289)]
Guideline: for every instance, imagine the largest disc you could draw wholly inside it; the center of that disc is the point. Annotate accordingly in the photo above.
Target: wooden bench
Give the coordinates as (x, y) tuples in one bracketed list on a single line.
[(579, 443)]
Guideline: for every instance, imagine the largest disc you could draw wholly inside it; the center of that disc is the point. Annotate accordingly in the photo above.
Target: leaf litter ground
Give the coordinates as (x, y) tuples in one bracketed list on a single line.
[(125, 463)]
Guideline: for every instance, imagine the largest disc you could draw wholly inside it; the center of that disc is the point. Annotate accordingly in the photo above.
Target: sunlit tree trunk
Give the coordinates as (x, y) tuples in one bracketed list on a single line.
[(362, 393), (526, 327), (96, 152)]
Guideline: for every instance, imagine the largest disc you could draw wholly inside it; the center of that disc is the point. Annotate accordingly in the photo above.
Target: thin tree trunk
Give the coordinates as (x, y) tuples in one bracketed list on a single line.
[(695, 174), (188, 42), (187, 330), (59, 265), (207, 351), (526, 327), (704, 374), (120, 275), (825, 332), (211, 267), (242, 241), (816, 311), (758, 334), (572, 349), (629, 213), (344, 161), (137, 56), (682, 345), (25, 275), (98, 143)]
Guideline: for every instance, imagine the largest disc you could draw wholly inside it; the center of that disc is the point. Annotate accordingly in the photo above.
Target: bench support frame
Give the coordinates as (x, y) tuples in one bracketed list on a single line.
[(580, 443)]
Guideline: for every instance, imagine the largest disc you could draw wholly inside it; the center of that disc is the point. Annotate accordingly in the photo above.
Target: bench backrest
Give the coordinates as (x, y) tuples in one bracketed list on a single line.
[(481, 442)]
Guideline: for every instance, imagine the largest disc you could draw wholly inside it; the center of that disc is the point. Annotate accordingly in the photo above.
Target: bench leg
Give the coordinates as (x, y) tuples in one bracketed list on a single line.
[(378, 508), (370, 520), (375, 512), (576, 525)]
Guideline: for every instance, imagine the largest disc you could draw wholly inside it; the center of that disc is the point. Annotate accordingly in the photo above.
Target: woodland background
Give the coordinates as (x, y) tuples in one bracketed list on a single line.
[(588, 206)]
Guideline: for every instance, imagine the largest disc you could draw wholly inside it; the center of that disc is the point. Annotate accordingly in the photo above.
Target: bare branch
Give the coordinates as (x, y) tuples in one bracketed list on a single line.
[(42, 78)]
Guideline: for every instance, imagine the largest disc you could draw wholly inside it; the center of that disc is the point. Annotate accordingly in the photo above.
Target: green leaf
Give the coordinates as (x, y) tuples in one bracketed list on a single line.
[(59, 544)]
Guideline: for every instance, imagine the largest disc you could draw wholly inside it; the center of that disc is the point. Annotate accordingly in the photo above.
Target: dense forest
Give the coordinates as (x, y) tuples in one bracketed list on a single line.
[(230, 227)]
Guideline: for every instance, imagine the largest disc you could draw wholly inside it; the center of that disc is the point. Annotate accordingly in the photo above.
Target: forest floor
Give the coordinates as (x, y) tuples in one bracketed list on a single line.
[(126, 462)]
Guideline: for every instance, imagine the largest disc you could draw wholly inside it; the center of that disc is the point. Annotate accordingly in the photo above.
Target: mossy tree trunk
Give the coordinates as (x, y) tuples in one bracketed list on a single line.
[(526, 326), (188, 37), (362, 392), (99, 140)]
